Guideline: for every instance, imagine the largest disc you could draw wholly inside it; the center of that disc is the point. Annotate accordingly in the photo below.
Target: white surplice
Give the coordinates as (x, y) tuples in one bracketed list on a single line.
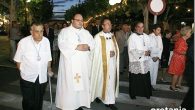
[(72, 89), (137, 45), (110, 77), (156, 48)]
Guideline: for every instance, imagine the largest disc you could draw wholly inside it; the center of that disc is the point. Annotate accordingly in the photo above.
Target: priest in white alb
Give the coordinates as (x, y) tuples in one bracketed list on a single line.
[(75, 44), (105, 67)]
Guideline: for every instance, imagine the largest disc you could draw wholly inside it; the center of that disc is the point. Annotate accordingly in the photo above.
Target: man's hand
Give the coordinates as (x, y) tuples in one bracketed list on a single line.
[(83, 47), (147, 53), (50, 72), (155, 59), (18, 65), (112, 53), (184, 53)]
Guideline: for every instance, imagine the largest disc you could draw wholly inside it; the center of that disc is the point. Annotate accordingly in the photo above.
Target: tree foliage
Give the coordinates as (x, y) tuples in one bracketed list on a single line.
[(87, 8), (39, 10), (134, 8), (4, 10)]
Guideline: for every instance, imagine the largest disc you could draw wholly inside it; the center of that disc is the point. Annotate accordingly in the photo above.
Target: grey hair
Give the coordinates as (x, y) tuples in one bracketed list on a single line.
[(184, 30)]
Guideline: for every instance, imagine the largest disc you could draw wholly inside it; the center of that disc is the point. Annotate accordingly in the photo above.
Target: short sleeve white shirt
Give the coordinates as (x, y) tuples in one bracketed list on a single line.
[(27, 55)]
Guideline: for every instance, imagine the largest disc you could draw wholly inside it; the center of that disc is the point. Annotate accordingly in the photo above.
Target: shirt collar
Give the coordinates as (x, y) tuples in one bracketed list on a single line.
[(35, 41), (75, 29), (106, 32), (139, 33)]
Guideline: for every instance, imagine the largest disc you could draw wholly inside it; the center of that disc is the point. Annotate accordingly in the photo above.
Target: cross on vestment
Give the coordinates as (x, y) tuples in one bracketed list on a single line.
[(77, 77)]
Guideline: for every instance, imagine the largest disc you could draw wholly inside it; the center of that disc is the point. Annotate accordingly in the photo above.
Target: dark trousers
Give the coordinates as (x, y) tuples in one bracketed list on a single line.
[(140, 85), (32, 94), (188, 101)]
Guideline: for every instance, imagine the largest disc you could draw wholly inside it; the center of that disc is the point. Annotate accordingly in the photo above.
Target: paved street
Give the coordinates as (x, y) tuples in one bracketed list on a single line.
[(10, 97)]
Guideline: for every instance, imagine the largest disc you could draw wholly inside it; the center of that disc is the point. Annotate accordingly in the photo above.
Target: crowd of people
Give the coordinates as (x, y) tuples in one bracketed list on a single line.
[(91, 62)]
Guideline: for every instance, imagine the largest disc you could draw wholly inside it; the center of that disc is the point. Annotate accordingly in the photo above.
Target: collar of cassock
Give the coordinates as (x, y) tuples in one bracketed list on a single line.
[(108, 38), (139, 34), (107, 33)]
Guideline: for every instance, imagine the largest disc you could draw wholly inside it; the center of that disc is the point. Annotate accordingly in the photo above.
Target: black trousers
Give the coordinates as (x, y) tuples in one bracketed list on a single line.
[(140, 85), (32, 94), (188, 101)]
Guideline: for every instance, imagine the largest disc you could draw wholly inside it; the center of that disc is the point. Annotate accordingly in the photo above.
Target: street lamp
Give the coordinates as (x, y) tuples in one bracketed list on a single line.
[(26, 10), (113, 2)]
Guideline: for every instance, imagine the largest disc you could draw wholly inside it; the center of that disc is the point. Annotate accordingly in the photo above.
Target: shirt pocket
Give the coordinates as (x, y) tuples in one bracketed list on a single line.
[(30, 57)]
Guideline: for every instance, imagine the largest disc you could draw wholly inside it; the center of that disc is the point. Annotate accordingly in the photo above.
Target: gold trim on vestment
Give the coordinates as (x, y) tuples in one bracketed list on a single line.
[(115, 45), (104, 60)]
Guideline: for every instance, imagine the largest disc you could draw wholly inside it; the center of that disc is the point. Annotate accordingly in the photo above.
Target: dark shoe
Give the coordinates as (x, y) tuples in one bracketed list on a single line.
[(12, 61), (153, 89), (98, 100), (173, 89), (107, 105), (162, 80), (133, 97), (148, 97), (80, 108), (113, 107)]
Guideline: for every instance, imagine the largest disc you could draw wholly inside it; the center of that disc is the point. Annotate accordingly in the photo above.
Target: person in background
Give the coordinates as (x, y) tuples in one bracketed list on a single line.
[(33, 59), (188, 101), (165, 54), (156, 51), (174, 38), (94, 29), (49, 33), (14, 36), (178, 59), (122, 37), (65, 24), (177, 34), (55, 48)]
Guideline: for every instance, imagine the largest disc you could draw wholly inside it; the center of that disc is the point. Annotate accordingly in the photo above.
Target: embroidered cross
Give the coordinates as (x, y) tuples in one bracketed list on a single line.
[(77, 77)]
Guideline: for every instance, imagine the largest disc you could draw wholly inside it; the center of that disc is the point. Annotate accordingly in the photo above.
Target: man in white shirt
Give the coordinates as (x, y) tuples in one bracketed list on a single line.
[(75, 44), (139, 52), (105, 67), (33, 59), (156, 51)]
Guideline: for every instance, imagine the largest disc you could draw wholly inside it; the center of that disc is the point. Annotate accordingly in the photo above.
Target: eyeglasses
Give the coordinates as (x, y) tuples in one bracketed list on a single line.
[(78, 20)]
